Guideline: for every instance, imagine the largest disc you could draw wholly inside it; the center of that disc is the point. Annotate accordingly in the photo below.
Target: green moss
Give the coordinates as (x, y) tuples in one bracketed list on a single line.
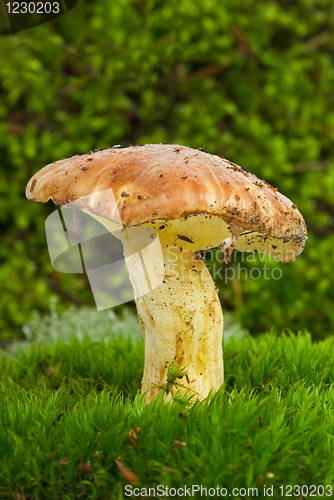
[(63, 404), (251, 80)]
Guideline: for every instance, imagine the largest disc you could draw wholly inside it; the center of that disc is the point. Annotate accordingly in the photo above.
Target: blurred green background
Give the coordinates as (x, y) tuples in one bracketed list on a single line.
[(250, 80)]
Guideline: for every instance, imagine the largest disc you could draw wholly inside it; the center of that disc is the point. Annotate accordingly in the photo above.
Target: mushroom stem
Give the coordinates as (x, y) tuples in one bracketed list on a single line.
[(182, 319)]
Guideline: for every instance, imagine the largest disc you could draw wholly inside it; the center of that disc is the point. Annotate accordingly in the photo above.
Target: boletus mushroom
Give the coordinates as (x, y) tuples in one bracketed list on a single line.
[(196, 201)]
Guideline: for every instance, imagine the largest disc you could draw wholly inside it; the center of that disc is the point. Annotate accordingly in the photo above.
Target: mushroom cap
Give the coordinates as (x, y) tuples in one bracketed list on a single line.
[(180, 188)]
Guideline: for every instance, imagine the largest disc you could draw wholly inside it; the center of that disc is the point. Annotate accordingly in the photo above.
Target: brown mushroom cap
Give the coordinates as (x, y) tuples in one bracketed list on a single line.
[(178, 187)]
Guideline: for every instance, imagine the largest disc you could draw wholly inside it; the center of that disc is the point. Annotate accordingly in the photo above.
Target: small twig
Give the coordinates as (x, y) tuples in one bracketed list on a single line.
[(243, 41), (318, 40), (205, 72), (311, 165)]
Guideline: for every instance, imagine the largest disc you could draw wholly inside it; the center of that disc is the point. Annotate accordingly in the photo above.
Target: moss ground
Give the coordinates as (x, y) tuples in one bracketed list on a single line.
[(74, 425)]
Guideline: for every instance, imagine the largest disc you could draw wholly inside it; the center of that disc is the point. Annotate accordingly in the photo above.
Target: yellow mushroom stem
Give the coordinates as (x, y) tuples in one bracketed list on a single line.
[(181, 318)]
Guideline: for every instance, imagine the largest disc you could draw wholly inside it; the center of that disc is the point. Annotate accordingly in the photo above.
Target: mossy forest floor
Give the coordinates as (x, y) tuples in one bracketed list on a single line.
[(73, 424)]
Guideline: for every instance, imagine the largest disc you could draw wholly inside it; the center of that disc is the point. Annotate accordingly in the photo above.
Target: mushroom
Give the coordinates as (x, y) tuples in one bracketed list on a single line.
[(195, 201)]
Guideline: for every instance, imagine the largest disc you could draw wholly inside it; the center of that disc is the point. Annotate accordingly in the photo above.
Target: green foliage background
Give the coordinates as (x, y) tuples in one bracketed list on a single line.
[(251, 80)]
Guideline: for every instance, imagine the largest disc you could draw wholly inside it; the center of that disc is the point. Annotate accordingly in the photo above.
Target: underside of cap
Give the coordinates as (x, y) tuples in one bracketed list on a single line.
[(204, 232), (195, 195)]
